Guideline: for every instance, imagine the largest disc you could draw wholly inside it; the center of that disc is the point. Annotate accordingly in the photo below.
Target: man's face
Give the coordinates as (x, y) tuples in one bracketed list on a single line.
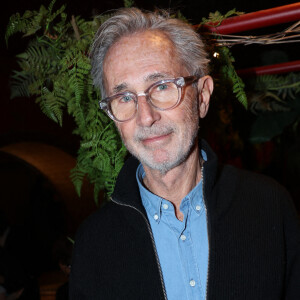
[(161, 140)]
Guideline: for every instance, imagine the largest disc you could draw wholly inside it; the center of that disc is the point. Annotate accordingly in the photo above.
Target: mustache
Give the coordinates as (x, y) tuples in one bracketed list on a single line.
[(143, 133)]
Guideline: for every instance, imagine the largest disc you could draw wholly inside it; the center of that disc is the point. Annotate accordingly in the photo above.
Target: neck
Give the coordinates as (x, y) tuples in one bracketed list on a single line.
[(176, 183)]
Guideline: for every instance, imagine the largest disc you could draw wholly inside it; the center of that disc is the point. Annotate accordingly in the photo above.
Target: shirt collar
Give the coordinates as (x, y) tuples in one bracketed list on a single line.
[(152, 202), (195, 197)]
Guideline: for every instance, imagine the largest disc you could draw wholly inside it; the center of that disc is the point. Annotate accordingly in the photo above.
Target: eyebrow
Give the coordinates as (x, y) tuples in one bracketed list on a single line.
[(158, 75), (120, 87), (149, 78)]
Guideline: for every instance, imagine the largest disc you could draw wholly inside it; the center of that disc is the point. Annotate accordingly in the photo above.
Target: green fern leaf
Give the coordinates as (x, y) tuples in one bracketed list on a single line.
[(229, 73), (77, 176), (20, 83), (128, 3)]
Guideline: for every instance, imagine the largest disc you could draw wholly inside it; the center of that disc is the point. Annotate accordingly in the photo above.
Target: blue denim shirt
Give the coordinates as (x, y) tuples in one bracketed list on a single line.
[(182, 247)]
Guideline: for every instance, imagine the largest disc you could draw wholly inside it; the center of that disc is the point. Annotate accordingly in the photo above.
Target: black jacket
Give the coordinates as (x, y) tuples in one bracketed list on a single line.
[(253, 231)]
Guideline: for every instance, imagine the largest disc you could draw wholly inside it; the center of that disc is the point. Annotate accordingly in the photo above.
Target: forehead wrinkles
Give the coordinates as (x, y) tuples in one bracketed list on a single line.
[(149, 43), (154, 45)]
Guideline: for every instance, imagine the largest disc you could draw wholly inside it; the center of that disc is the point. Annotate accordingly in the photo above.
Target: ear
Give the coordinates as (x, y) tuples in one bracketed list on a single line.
[(205, 89)]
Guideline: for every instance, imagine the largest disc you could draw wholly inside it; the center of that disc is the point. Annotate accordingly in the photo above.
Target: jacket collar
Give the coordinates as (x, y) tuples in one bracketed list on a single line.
[(127, 192)]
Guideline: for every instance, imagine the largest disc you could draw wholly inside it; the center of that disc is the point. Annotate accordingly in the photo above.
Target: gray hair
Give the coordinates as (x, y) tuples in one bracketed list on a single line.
[(127, 21)]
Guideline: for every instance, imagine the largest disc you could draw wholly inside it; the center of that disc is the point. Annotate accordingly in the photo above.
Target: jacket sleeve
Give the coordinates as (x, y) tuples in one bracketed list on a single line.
[(292, 238)]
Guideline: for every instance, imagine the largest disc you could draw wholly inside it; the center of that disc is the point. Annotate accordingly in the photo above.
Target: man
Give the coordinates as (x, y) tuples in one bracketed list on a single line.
[(179, 225)]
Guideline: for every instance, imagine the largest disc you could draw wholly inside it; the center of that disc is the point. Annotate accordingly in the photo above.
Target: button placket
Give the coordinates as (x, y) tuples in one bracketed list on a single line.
[(165, 206), (183, 237), (192, 282)]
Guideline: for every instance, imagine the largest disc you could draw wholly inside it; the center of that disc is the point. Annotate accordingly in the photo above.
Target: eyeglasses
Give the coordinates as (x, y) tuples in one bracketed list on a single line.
[(162, 95)]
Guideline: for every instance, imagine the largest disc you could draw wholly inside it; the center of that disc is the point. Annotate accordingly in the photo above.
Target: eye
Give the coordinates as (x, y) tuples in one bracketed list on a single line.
[(162, 87), (126, 99)]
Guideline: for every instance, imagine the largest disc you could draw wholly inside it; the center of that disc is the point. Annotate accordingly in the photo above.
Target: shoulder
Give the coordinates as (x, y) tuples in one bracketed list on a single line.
[(250, 192), (98, 223), (252, 182)]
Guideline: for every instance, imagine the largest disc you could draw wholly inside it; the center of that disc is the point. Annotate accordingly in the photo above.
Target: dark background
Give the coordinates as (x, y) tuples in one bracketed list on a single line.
[(38, 206)]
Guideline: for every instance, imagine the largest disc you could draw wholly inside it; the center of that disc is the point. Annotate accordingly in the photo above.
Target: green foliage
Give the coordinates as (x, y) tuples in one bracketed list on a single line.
[(55, 68), (216, 18), (71, 240), (271, 124), (224, 68), (128, 3), (280, 86), (273, 93), (222, 63), (276, 102)]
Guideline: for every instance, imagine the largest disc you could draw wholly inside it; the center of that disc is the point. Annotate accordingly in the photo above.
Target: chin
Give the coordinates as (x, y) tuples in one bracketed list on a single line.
[(163, 166), (161, 159)]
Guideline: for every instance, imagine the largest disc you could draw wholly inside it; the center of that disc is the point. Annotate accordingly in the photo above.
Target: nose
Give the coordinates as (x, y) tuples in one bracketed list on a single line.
[(146, 114)]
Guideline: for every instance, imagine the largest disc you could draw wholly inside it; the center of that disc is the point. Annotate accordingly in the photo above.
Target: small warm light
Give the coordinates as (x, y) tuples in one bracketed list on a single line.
[(216, 54)]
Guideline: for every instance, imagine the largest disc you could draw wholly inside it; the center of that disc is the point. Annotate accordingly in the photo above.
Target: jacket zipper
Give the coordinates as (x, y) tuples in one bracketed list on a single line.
[(206, 292), (153, 244)]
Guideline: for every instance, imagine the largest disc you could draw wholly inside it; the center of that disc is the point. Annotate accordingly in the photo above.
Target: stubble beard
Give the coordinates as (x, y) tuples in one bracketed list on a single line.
[(175, 156)]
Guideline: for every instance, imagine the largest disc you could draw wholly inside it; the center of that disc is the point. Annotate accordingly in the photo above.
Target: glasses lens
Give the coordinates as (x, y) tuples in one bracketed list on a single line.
[(123, 107), (164, 95)]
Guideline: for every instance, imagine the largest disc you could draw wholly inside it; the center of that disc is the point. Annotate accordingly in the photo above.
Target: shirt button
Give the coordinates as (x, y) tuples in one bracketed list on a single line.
[(165, 206), (183, 237), (198, 207), (155, 217), (192, 282)]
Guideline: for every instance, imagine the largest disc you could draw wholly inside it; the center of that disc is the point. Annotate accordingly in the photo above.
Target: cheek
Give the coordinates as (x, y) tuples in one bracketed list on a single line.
[(126, 131), (189, 108), (119, 127)]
